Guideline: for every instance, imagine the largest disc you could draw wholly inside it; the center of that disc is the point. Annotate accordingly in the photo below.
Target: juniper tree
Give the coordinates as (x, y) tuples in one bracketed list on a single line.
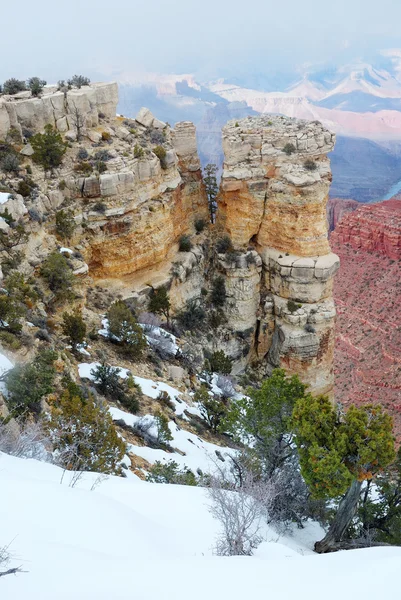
[(159, 303), (125, 330), (338, 453), (210, 181), (49, 148), (74, 328)]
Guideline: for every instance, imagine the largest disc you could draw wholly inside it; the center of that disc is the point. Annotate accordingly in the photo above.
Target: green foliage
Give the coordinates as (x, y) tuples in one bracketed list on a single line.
[(220, 363), (77, 81), (289, 149), (336, 451), (14, 298), (200, 225), (380, 513), (159, 302), (192, 317), (36, 85), (211, 187), (109, 383), (218, 293), (293, 306), (161, 155), (25, 187), (49, 148), (74, 328), (84, 437), (184, 243), (28, 384), (10, 340), (9, 242), (224, 245), (165, 400), (58, 275), (10, 163), (211, 407), (310, 165), (265, 415), (65, 224), (170, 472), (163, 432), (13, 86), (138, 151), (84, 167), (124, 329), (106, 136)]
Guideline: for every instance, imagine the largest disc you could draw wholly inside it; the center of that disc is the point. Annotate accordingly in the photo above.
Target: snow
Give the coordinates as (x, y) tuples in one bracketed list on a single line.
[(196, 452), (132, 539), (5, 364), (66, 250), (4, 196), (148, 386), (158, 337)]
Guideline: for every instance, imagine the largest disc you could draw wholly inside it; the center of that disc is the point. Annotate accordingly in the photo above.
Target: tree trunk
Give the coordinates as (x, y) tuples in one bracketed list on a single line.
[(345, 513)]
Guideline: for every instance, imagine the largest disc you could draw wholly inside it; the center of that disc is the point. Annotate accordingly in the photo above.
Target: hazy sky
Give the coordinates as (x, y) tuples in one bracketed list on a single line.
[(56, 39)]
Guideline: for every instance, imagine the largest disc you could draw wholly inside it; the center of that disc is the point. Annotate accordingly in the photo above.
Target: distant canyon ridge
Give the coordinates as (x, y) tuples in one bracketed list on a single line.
[(360, 103)]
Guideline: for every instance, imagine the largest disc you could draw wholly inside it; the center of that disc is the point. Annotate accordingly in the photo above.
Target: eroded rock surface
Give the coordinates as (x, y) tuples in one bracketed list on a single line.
[(273, 199)]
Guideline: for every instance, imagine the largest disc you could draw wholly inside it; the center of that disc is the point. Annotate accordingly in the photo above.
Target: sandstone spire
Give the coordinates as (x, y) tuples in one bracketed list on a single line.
[(273, 199)]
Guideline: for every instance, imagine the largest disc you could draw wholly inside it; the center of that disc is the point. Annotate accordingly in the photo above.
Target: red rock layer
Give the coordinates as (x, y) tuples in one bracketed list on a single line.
[(338, 207), (374, 228), (367, 292)]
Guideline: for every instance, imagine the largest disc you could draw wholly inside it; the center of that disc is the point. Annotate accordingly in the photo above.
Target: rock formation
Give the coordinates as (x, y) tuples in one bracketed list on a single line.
[(272, 199), (22, 112), (337, 208), (373, 227), (367, 358)]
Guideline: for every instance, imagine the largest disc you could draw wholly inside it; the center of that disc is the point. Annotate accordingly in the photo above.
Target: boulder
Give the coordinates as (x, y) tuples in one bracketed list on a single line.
[(145, 117)]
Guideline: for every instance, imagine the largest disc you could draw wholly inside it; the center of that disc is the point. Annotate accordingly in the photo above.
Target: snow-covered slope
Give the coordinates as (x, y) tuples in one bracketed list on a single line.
[(130, 539)]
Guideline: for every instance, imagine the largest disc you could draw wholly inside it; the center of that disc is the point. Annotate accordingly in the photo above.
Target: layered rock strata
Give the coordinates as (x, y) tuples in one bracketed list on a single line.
[(22, 112), (272, 200), (150, 206), (337, 208), (374, 228)]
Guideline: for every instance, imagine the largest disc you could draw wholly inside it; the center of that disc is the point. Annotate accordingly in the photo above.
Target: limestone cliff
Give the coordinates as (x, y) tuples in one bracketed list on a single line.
[(272, 199), (56, 108)]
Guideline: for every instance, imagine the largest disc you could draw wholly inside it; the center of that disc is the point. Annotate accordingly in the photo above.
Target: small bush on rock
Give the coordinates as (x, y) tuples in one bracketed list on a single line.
[(124, 329), (184, 243), (289, 149), (13, 86), (58, 275), (36, 85), (74, 328), (220, 363), (310, 165), (65, 224), (161, 155), (224, 245)]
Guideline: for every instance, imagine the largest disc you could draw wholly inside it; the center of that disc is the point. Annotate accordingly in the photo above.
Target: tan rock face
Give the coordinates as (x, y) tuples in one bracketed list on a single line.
[(275, 184), (152, 208), (57, 109), (273, 198)]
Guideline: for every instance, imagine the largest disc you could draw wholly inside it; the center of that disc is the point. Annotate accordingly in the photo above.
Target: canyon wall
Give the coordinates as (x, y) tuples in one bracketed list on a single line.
[(272, 199), (337, 208), (374, 228), (367, 358), (22, 112)]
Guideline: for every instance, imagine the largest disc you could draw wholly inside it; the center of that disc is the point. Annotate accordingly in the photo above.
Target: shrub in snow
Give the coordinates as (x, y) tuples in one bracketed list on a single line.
[(212, 408), (83, 435), (165, 400), (25, 440), (109, 383), (220, 363), (226, 386), (163, 432), (74, 328), (124, 329), (240, 512), (170, 472), (28, 384)]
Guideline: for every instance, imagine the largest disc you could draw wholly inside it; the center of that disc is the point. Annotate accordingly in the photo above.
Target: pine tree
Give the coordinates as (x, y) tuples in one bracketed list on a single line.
[(74, 328), (159, 303), (338, 453), (210, 181), (84, 437), (49, 148), (124, 329)]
